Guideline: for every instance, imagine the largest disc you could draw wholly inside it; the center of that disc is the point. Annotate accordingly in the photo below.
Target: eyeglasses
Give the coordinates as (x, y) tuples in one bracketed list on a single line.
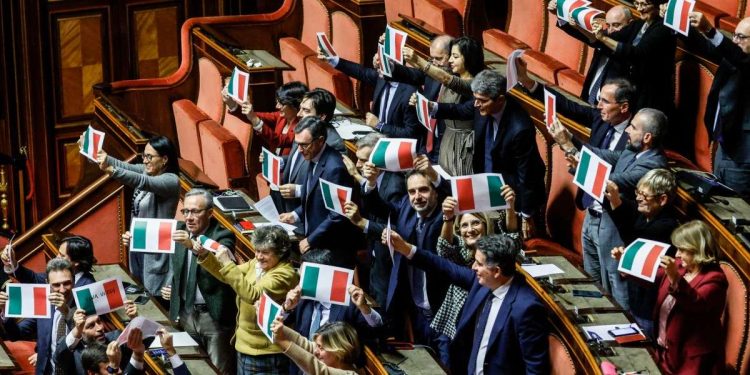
[(185, 212), (739, 37), (642, 4), (640, 193), (305, 146), (148, 157)]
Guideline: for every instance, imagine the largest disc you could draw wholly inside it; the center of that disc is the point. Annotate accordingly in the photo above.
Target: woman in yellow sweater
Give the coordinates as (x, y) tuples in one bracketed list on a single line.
[(270, 272)]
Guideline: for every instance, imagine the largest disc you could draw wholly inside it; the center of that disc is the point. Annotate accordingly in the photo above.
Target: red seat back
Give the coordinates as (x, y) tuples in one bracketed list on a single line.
[(187, 116), (527, 20), (347, 41), (223, 158), (561, 363), (563, 47), (315, 19), (241, 130), (323, 75), (395, 7), (209, 92), (295, 53), (693, 82), (735, 318), (564, 220)]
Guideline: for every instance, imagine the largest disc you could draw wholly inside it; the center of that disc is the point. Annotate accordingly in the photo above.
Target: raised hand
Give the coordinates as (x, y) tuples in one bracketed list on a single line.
[(292, 298), (449, 208)]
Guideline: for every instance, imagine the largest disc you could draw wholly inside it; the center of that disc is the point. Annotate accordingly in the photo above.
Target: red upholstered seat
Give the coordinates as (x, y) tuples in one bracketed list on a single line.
[(323, 75), (563, 219), (440, 15), (693, 81), (715, 10), (730, 23), (21, 351), (735, 318), (527, 21), (294, 52), (570, 81), (501, 43), (570, 51), (315, 18), (209, 92), (395, 7), (543, 65), (347, 41), (243, 132), (561, 363), (223, 157), (187, 116)]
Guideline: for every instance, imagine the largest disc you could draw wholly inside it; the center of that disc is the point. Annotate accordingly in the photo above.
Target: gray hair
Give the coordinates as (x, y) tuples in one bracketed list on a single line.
[(489, 83), (659, 181), (207, 196), (59, 264), (655, 122), (273, 237), (442, 42), (369, 140)]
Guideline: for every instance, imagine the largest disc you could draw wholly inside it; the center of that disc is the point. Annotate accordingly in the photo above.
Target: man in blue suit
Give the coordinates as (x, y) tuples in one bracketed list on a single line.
[(323, 228), (503, 327)]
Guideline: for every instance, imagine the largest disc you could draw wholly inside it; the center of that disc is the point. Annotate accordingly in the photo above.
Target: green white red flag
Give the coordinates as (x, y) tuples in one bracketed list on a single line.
[(334, 196), (28, 301), (641, 258), (584, 17), (325, 45), (423, 113), (478, 193), (564, 8), (100, 297), (592, 174), (550, 108), (325, 283), (238, 85), (92, 142), (677, 16), (271, 168), (209, 244), (152, 235), (394, 154), (268, 310), (385, 66), (394, 44)]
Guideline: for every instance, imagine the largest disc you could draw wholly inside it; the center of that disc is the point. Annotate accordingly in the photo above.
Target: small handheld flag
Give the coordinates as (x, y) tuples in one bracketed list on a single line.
[(677, 16), (394, 44), (592, 174), (385, 66), (584, 17), (335, 196), (268, 310), (28, 301), (550, 108), (641, 258), (152, 235), (394, 154), (325, 45), (324, 283), (271, 168), (565, 7), (479, 192), (100, 297), (209, 244), (423, 113), (92, 142), (238, 85)]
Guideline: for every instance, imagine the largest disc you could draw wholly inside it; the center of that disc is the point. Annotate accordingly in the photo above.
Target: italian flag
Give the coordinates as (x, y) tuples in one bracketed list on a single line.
[(584, 16), (100, 297), (478, 192), (28, 301), (268, 310), (394, 154), (641, 258), (592, 174), (550, 108), (271, 168), (325, 45), (564, 7), (238, 85), (676, 17), (152, 235), (385, 67), (324, 283), (334, 196), (394, 44), (92, 143), (423, 113), (208, 243)]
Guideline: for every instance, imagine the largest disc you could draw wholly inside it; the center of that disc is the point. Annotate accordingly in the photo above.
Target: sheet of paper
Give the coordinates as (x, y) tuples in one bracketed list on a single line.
[(541, 270), (267, 209), (603, 330), (288, 227), (179, 339), (148, 329), (349, 130), (442, 172)]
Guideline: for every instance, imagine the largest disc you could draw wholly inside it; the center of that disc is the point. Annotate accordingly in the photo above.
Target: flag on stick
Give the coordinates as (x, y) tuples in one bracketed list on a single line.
[(641, 258), (100, 297), (394, 154), (268, 310), (271, 168), (334, 196), (479, 192), (385, 66), (92, 142), (238, 85), (325, 45), (394, 44), (677, 15), (550, 108), (584, 17), (28, 301), (152, 235), (324, 283), (592, 174)]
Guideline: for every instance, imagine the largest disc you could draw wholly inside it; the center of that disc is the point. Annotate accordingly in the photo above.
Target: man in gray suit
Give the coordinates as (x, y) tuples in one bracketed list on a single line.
[(643, 152)]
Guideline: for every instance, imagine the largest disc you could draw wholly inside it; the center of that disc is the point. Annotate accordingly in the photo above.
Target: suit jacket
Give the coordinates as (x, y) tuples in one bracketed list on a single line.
[(695, 320), (180, 370), (626, 172), (520, 330), (327, 229), (514, 152), (25, 275), (39, 330), (70, 359), (219, 296), (401, 118)]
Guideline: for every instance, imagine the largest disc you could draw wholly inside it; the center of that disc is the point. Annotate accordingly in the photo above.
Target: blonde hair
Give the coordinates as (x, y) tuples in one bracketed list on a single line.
[(339, 339), (659, 181), (479, 215), (696, 237)]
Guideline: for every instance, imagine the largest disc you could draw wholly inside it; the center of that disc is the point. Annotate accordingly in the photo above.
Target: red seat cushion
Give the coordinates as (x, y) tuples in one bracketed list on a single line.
[(209, 92), (395, 7), (243, 132), (187, 116), (294, 53), (570, 81), (712, 13), (502, 43), (223, 157), (440, 15), (320, 74), (543, 65)]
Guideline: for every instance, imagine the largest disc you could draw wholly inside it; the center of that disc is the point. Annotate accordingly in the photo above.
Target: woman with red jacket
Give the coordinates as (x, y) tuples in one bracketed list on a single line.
[(276, 129)]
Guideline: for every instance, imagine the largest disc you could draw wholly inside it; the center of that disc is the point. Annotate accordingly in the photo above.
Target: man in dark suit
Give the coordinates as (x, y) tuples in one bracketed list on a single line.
[(98, 359), (503, 327), (644, 152), (391, 113), (504, 142), (323, 228), (727, 117), (204, 306)]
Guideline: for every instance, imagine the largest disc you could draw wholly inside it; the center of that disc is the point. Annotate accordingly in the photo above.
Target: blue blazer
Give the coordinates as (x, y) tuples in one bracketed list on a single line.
[(519, 340), (327, 229)]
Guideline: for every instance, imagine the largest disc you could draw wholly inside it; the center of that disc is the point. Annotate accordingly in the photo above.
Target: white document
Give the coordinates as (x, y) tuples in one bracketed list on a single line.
[(267, 209), (442, 172), (603, 331), (541, 270), (179, 339), (349, 130)]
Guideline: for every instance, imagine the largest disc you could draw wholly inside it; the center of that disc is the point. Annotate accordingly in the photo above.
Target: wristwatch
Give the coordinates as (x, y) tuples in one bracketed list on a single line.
[(112, 370)]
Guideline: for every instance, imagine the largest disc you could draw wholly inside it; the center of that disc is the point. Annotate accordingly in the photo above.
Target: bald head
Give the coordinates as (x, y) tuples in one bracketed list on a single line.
[(440, 51), (618, 17), (742, 35)]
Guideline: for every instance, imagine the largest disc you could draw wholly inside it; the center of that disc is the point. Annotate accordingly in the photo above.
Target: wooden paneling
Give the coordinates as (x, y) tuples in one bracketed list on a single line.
[(156, 41)]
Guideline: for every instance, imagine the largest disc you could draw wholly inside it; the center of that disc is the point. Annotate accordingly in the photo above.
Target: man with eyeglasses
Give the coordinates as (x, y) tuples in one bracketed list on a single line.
[(727, 117), (203, 305)]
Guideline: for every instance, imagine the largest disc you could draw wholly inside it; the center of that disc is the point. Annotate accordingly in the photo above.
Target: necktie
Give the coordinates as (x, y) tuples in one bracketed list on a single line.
[(60, 332), (638, 37), (317, 315), (597, 84), (479, 329), (607, 138), (489, 141), (191, 281), (384, 103), (310, 177)]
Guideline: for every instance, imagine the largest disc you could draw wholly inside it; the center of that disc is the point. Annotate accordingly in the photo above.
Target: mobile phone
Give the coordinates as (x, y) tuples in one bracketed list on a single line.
[(586, 293), (623, 331), (141, 300)]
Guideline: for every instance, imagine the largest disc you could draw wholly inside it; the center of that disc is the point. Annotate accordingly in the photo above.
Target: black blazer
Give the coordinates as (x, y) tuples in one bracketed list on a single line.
[(514, 152)]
